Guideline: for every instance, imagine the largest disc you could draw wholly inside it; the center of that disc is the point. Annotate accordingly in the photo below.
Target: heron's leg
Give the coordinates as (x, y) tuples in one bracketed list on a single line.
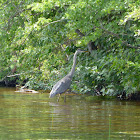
[(69, 90), (58, 97), (65, 97)]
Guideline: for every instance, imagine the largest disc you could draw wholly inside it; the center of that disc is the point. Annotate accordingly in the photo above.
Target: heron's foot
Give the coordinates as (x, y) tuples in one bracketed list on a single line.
[(65, 97)]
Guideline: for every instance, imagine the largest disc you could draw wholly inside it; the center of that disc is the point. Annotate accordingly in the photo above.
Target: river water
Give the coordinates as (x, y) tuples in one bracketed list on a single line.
[(35, 116)]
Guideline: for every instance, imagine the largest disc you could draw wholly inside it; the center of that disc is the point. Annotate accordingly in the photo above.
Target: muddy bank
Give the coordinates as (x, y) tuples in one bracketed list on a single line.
[(12, 82)]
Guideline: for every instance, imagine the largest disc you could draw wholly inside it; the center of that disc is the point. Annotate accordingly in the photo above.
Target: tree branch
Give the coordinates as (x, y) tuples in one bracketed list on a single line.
[(13, 75), (117, 35), (54, 22)]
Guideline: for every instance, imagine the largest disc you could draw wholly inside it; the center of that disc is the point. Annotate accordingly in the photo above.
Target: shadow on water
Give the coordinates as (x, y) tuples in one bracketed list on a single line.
[(35, 116)]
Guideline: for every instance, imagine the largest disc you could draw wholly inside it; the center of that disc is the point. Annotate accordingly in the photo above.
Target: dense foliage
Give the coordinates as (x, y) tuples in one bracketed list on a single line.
[(38, 39)]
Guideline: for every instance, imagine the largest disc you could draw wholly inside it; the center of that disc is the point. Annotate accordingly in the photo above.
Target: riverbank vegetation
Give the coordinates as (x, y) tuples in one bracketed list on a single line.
[(38, 39)]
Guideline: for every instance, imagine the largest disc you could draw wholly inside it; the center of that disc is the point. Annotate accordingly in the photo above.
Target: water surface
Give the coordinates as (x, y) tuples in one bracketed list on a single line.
[(35, 116)]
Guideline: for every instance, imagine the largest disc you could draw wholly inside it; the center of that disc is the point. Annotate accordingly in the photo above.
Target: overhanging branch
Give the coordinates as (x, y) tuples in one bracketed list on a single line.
[(117, 36)]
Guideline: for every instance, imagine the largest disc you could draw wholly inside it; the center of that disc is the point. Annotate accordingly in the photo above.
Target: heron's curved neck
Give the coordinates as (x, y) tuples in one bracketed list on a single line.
[(74, 65)]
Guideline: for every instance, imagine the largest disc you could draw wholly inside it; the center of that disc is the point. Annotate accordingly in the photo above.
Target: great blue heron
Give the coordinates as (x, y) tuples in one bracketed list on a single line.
[(62, 85)]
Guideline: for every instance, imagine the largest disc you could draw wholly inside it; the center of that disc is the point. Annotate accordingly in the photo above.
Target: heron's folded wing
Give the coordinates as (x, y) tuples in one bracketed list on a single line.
[(62, 85)]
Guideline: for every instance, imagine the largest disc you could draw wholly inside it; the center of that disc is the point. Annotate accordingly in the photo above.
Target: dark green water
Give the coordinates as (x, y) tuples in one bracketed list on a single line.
[(35, 116)]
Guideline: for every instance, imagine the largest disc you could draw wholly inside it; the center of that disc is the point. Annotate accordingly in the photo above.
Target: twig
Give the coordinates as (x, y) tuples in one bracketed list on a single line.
[(13, 75), (8, 77)]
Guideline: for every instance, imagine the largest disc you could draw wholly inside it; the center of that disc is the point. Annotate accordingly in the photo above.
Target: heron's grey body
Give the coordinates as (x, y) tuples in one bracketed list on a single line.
[(62, 85)]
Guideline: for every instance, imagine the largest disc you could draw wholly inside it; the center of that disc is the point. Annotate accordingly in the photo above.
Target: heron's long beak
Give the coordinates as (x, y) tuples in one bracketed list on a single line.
[(84, 51)]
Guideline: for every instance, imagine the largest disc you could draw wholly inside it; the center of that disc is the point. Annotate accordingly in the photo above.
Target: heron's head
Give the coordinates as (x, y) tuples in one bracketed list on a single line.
[(80, 51)]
